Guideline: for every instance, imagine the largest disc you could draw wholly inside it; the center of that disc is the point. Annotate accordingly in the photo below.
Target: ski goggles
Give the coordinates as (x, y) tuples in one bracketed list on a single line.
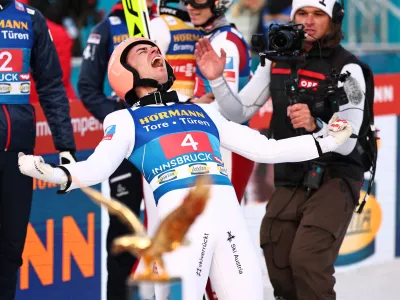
[(198, 4)]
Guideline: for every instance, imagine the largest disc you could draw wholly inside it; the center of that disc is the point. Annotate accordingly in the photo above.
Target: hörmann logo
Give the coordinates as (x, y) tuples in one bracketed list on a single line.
[(117, 39), (186, 37), (170, 113), (14, 24)]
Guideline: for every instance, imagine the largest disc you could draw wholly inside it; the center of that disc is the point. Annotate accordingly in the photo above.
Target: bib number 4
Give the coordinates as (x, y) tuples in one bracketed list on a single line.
[(188, 141), (181, 143)]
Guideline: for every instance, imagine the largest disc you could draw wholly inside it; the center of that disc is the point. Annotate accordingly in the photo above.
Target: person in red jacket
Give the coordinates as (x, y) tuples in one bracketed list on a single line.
[(63, 44)]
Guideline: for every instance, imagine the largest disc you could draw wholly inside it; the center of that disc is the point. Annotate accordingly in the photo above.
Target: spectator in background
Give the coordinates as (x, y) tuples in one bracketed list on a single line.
[(166, 31), (152, 7), (261, 184), (274, 12), (63, 30), (72, 14), (240, 6)]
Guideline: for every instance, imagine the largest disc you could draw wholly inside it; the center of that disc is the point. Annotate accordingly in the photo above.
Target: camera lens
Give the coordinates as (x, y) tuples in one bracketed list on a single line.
[(282, 41)]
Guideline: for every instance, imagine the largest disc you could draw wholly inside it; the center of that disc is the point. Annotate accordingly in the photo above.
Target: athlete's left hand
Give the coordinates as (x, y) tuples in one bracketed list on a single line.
[(300, 116)]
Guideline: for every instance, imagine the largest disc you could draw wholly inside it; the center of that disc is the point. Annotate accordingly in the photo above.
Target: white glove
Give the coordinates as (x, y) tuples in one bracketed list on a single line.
[(339, 131), (66, 158), (34, 166)]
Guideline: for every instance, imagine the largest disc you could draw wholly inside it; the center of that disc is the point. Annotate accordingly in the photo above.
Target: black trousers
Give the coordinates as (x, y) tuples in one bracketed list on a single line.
[(126, 187), (15, 208)]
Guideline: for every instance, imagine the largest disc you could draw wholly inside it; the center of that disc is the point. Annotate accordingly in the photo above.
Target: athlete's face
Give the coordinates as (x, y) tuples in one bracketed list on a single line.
[(198, 16), (316, 22), (149, 62)]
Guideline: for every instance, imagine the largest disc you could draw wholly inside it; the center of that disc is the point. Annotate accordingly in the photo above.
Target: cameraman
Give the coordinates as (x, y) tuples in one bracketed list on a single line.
[(308, 214)]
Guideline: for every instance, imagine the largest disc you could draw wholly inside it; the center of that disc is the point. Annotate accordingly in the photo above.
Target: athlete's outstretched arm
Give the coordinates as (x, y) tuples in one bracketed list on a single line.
[(254, 146), (236, 107), (117, 143)]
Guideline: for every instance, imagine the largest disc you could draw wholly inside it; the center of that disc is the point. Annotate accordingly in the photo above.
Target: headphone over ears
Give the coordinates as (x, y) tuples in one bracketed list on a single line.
[(338, 13)]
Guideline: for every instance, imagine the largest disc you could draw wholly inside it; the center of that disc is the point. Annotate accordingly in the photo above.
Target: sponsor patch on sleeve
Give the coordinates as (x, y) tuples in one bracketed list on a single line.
[(30, 11), (19, 6), (114, 20), (109, 133), (229, 63), (94, 38), (230, 76)]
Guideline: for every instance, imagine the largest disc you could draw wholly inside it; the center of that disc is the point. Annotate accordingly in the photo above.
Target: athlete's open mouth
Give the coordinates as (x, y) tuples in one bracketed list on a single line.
[(157, 62)]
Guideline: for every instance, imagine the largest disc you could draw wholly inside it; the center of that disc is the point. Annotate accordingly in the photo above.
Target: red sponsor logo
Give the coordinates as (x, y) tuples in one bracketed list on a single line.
[(218, 160), (184, 69), (11, 60), (307, 83), (230, 76), (88, 131), (24, 76), (178, 144)]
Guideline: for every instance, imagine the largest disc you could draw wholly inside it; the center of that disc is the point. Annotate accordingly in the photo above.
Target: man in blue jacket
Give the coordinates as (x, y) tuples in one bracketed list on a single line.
[(26, 49)]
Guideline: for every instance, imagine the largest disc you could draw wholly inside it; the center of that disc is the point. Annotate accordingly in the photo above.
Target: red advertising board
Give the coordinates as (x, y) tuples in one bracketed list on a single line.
[(87, 130)]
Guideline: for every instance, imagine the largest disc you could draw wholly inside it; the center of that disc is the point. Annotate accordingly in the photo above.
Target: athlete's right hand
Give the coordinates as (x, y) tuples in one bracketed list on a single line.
[(210, 64), (34, 166)]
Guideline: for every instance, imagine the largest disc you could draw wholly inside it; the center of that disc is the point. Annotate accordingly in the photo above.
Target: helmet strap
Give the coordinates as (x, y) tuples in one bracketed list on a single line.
[(158, 98)]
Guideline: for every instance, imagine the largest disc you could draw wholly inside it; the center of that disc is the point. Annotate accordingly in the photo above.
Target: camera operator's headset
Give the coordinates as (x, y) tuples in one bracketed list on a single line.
[(338, 13)]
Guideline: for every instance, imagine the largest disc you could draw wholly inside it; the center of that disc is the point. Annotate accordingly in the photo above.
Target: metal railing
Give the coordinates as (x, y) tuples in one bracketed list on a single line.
[(369, 25)]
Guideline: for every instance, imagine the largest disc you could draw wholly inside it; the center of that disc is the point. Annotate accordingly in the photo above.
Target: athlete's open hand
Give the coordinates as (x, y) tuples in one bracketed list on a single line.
[(210, 64)]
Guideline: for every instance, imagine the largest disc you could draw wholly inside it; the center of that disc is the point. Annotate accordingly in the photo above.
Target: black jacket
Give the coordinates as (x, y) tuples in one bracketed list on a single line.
[(312, 71), (94, 69)]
